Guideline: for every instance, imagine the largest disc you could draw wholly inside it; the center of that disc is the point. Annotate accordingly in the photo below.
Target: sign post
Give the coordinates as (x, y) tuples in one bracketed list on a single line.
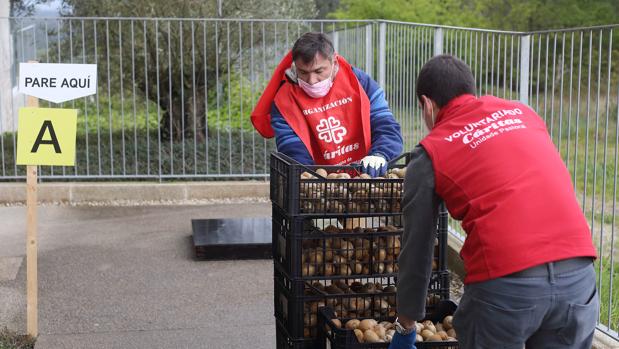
[(32, 244), (46, 136)]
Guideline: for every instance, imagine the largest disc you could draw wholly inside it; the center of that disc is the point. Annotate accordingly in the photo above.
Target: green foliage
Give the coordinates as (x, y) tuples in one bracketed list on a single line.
[(451, 12), (230, 108), (12, 340), (102, 113), (493, 14)]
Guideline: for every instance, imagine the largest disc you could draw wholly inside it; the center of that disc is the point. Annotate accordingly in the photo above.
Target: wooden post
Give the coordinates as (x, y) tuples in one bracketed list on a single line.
[(31, 242)]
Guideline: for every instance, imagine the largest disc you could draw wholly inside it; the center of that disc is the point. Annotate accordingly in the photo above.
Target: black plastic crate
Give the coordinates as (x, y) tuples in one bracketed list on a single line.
[(341, 338), (296, 303), (342, 247), (285, 341), (314, 191)]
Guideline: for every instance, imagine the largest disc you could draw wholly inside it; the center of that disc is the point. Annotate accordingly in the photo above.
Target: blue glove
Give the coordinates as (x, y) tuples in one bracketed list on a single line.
[(374, 165), (403, 342)]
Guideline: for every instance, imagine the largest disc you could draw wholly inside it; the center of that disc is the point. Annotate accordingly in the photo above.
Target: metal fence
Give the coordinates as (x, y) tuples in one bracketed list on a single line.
[(175, 95)]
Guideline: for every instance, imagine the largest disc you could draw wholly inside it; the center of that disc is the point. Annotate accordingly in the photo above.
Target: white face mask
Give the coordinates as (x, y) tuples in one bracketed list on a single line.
[(319, 89)]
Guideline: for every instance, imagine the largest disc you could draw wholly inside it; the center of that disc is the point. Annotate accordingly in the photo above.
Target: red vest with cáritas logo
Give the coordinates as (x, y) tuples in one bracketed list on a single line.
[(500, 174), (335, 128)]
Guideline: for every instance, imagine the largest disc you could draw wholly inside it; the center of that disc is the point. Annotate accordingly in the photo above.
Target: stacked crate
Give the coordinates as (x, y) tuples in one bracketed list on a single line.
[(336, 239)]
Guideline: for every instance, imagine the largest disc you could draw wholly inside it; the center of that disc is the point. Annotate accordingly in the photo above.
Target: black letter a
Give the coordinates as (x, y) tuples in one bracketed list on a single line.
[(47, 124)]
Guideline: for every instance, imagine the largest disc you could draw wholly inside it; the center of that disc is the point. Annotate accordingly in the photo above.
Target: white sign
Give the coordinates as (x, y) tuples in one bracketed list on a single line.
[(57, 82)]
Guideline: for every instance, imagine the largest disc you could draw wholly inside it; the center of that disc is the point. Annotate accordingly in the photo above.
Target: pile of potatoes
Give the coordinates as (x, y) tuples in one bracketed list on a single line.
[(351, 196), (370, 303), (341, 256), (428, 331), (356, 255), (371, 331)]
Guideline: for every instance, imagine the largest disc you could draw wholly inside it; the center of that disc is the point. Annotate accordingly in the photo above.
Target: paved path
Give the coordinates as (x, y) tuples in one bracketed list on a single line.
[(124, 277)]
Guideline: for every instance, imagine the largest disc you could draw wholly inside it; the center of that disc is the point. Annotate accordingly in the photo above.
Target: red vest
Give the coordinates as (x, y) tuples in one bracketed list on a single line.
[(500, 174), (335, 128)]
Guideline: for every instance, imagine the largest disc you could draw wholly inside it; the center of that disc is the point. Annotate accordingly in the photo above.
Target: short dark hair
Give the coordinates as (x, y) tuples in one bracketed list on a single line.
[(311, 43), (444, 78)]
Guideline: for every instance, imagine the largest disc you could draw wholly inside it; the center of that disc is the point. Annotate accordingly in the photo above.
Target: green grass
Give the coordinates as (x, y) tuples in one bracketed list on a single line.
[(605, 293), (12, 340)]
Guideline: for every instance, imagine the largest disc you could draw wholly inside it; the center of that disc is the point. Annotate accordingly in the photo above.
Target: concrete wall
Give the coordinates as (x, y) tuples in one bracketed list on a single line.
[(76, 193)]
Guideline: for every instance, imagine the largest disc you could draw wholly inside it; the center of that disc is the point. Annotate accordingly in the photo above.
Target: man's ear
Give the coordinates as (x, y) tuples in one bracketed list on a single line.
[(426, 103)]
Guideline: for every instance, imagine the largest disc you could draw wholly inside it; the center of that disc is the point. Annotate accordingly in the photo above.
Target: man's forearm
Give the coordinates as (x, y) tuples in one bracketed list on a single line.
[(420, 213)]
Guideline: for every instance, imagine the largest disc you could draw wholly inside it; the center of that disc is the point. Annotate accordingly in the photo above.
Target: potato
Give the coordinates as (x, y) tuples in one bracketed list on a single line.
[(337, 323), (370, 336), (380, 331), (380, 254), (335, 206), (330, 270), (331, 229), (318, 286), (359, 335), (439, 327), (347, 249), (434, 338), (343, 175), (387, 325), (418, 327), (308, 270), (392, 176), (367, 324), (426, 334), (310, 320), (352, 324), (429, 325), (452, 333), (322, 172), (358, 305), (329, 254), (307, 206), (368, 288), (379, 268), (442, 334), (314, 256), (332, 289), (333, 175), (381, 306), (364, 176), (448, 322), (361, 253), (376, 192), (306, 175), (313, 306), (345, 270), (382, 206), (419, 338), (357, 268)]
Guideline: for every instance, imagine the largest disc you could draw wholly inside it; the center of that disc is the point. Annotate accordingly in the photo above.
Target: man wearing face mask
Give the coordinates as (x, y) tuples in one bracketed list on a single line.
[(528, 253), (323, 111)]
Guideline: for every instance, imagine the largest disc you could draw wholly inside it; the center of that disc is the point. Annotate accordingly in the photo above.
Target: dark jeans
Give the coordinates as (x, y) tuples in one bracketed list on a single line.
[(558, 310)]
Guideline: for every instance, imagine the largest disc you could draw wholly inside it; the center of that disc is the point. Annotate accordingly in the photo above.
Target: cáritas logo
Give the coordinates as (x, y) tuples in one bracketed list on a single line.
[(331, 130)]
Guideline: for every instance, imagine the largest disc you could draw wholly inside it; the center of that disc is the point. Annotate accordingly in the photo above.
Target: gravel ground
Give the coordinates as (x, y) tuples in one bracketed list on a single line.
[(130, 203)]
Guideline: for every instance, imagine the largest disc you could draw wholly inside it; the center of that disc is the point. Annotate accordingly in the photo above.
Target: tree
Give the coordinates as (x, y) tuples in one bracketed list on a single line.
[(180, 69)]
